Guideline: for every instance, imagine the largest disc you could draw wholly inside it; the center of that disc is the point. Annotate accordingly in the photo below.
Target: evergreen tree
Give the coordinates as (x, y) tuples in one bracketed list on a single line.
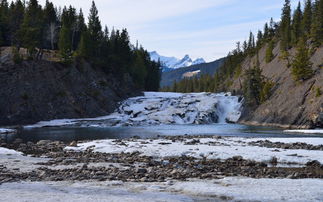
[(307, 18), (153, 74), (124, 50), (251, 43), (259, 39), (301, 65), (297, 24), (72, 26), (266, 32), (266, 91), (16, 16), (79, 28), (51, 26), (245, 46), (139, 69), (84, 49), (4, 23), (106, 34), (253, 85), (94, 30), (317, 24), (285, 27), (272, 28), (65, 44), (68, 37), (30, 32), (269, 52)]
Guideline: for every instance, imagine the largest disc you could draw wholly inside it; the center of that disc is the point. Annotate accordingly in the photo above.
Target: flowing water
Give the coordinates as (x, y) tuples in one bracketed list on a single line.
[(68, 133)]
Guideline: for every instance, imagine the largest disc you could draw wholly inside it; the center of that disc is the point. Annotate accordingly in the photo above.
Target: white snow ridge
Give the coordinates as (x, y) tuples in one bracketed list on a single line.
[(177, 108), (175, 63)]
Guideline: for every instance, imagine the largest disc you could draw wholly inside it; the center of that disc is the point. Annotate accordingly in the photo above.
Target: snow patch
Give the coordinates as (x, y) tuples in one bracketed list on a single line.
[(7, 131), (241, 189), (52, 123), (191, 74), (5, 151), (208, 147), (232, 188), (314, 131)]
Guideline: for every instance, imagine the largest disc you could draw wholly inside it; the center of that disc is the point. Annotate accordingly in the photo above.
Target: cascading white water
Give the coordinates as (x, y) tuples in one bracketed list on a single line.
[(165, 108), (178, 108), (229, 108)]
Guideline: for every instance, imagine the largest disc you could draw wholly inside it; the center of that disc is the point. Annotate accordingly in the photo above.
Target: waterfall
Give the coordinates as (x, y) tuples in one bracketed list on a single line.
[(229, 108), (156, 108)]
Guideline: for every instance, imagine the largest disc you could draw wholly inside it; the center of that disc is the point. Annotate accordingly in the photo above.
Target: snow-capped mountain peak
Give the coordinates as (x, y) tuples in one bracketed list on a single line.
[(198, 61), (169, 63)]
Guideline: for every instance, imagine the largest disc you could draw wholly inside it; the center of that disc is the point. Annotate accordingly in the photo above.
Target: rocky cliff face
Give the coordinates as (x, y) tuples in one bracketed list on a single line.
[(42, 90), (291, 104)]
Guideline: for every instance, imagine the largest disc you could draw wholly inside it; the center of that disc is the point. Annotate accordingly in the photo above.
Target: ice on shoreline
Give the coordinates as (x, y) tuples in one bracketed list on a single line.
[(231, 188), (5, 151), (7, 131), (313, 131), (211, 148)]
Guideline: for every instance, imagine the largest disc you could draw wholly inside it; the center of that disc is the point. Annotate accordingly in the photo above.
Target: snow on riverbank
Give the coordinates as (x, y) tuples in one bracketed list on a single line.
[(155, 108), (212, 148), (5, 151), (233, 188), (314, 131), (7, 131), (14, 160)]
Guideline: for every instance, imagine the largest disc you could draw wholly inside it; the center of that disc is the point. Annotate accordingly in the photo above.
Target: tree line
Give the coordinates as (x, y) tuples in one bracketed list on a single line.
[(302, 28), (35, 27)]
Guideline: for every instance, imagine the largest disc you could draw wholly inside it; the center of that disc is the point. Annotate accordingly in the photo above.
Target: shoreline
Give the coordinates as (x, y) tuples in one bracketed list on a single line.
[(178, 164), (282, 126)]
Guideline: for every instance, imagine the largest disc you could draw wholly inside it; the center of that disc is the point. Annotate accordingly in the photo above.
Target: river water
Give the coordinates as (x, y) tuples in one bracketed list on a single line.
[(71, 133), (156, 114)]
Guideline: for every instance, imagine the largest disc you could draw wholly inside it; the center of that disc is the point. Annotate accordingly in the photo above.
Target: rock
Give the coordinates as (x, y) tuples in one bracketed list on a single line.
[(73, 144), (82, 91), (313, 164), (319, 119), (43, 142), (18, 141), (141, 170), (273, 161)]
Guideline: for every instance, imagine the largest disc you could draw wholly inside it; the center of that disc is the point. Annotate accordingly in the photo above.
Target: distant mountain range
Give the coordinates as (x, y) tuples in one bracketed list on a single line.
[(198, 70), (171, 63)]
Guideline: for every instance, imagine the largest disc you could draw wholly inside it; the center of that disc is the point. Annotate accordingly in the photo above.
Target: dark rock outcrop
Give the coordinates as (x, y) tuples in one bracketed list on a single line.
[(42, 90)]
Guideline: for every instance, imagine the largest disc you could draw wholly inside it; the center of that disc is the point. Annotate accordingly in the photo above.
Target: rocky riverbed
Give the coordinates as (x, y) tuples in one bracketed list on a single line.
[(58, 161)]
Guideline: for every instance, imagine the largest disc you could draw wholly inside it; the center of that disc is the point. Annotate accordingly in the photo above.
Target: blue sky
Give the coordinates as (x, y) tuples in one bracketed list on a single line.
[(200, 28)]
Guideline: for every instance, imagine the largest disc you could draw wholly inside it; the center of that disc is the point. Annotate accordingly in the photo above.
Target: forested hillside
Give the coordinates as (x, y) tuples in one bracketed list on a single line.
[(279, 71), (55, 64), (38, 28)]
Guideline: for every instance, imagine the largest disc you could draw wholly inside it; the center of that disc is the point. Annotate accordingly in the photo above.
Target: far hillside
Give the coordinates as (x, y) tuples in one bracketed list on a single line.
[(168, 78)]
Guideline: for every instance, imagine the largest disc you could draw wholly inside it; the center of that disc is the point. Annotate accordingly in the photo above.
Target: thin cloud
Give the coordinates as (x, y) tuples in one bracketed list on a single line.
[(131, 12), (201, 28)]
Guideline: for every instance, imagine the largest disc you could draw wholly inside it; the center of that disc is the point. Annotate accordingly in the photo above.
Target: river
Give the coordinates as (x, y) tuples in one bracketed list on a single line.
[(70, 133), (156, 114)]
